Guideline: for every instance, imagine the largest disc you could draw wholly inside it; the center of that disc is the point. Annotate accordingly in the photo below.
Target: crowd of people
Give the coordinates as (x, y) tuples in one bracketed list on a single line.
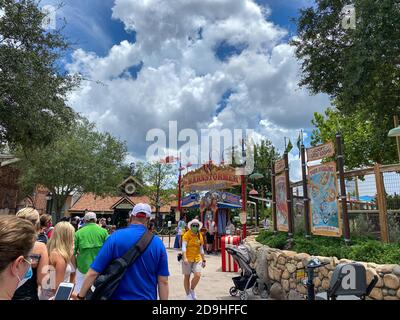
[(36, 257)]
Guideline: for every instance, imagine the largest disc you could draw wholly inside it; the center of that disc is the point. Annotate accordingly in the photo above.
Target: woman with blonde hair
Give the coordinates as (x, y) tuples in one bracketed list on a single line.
[(61, 251), (39, 257)]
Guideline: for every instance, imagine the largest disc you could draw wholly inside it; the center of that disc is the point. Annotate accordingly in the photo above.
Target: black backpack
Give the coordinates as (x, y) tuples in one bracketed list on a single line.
[(108, 281)]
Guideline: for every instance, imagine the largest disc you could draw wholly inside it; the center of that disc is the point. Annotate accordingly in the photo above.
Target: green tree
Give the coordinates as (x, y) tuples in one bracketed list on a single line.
[(33, 89), (82, 159), (358, 67), (264, 154), (160, 182), (365, 136)]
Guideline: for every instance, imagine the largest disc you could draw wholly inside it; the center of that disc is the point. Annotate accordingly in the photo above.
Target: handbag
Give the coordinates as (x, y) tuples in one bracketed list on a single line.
[(108, 281)]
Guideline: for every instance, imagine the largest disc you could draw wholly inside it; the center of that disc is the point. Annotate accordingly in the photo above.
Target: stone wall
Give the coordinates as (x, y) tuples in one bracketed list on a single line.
[(279, 267)]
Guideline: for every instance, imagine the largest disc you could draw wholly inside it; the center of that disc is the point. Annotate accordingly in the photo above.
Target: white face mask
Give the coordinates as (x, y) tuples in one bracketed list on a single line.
[(27, 276)]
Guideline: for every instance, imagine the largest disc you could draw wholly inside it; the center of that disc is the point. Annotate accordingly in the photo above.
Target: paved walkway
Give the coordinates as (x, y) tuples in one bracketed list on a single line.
[(214, 284)]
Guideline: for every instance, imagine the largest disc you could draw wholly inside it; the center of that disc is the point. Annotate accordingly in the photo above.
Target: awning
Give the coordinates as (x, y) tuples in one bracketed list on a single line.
[(394, 132)]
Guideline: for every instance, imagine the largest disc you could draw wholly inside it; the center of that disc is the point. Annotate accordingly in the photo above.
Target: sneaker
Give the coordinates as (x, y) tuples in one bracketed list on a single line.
[(193, 294), (189, 297)]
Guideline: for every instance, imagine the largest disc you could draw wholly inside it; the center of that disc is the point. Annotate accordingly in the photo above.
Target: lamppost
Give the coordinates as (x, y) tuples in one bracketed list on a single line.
[(256, 176), (49, 205)]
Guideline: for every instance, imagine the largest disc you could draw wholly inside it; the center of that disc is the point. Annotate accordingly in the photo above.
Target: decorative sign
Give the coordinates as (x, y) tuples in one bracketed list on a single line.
[(319, 152), (189, 199), (279, 166), (177, 215), (124, 205), (324, 204), (281, 203), (130, 188), (210, 177)]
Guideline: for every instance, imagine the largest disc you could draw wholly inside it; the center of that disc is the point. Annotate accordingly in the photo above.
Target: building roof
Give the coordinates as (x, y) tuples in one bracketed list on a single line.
[(91, 202)]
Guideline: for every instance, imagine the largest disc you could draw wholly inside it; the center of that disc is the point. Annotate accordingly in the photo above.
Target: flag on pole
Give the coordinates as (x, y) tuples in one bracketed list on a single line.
[(289, 146), (189, 164), (299, 143)]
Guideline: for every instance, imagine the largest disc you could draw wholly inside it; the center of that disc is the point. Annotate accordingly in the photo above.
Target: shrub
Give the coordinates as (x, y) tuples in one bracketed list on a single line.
[(363, 248)]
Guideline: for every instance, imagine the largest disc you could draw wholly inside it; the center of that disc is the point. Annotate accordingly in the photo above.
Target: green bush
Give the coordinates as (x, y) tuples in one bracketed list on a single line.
[(362, 248)]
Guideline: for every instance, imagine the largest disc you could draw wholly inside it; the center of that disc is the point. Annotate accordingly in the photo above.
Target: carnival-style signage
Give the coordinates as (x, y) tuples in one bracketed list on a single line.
[(212, 177), (282, 212), (324, 204), (279, 166), (319, 152)]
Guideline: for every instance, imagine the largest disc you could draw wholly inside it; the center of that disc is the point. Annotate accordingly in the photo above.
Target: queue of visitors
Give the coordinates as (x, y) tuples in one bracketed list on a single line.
[(36, 257), (34, 261)]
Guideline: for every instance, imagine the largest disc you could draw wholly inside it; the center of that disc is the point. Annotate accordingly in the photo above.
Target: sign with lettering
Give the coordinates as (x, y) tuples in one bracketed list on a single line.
[(319, 152), (324, 204), (282, 212), (210, 177)]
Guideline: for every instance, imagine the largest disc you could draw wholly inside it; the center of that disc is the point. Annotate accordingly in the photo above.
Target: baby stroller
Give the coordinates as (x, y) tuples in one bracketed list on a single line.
[(248, 278)]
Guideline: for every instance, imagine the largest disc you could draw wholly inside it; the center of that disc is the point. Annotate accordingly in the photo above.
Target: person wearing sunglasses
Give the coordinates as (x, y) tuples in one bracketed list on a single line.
[(193, 257), (40, 260), (17, 238)]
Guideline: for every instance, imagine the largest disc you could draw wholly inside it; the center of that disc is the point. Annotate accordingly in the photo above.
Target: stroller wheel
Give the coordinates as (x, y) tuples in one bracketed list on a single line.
[(256, 289), (244, 295), (233, 291)]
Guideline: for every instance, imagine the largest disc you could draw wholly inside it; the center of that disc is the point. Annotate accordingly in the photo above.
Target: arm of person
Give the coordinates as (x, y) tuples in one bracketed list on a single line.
[(163, 287), (73, 274), (90, 277), (203, 259), (60, 265), (42, 268), (184, 245)]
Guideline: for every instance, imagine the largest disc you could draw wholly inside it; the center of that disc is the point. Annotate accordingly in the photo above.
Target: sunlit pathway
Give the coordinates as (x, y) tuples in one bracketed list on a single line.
[(214, 284)]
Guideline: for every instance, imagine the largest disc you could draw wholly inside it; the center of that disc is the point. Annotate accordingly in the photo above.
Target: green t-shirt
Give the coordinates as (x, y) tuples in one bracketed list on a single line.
[(88, 241)]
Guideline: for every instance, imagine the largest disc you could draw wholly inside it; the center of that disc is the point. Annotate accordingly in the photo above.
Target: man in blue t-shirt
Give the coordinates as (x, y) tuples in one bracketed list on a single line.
[(147, 273)]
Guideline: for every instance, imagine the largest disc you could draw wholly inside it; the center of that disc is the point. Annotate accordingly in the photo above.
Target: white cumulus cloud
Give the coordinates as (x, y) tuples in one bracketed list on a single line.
[(181, 77)]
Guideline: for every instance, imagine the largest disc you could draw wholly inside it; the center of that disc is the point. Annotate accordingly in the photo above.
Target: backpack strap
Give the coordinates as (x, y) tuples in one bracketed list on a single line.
[(138, 248)]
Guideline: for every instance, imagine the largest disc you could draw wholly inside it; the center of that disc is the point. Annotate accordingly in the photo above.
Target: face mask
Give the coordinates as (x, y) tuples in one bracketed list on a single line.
[(27, 276), (195, 229)]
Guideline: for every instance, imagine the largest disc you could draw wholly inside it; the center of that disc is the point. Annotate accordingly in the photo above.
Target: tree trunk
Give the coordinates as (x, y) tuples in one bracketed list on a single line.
[(59, 204), (158, 218)]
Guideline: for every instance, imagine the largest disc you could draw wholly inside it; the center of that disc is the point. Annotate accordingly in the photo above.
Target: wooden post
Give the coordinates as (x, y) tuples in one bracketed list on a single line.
[(396, 124), (288, 196), (381, 200), (343, 197), (274, 197), (305, 193)]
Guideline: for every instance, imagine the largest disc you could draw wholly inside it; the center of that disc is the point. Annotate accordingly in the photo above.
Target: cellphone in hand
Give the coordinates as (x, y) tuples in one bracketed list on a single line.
[(64, 291)]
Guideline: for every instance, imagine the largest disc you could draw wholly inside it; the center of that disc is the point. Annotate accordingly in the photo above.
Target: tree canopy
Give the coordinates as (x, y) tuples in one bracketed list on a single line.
[(82, 159), (365, 137), (160, 181), (33, 89), (359, 68)]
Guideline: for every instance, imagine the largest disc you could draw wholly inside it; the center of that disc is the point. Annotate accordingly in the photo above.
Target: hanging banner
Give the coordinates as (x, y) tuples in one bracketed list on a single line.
[(279, 166), (281, 203), (319, 152), (324, 204)]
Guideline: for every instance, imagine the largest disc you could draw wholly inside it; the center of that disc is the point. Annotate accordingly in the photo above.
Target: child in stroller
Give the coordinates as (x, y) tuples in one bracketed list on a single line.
[(248, 278)]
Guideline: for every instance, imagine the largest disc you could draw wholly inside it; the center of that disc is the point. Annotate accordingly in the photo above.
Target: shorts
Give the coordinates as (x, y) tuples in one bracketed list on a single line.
[(192, 267), (209, 238)]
